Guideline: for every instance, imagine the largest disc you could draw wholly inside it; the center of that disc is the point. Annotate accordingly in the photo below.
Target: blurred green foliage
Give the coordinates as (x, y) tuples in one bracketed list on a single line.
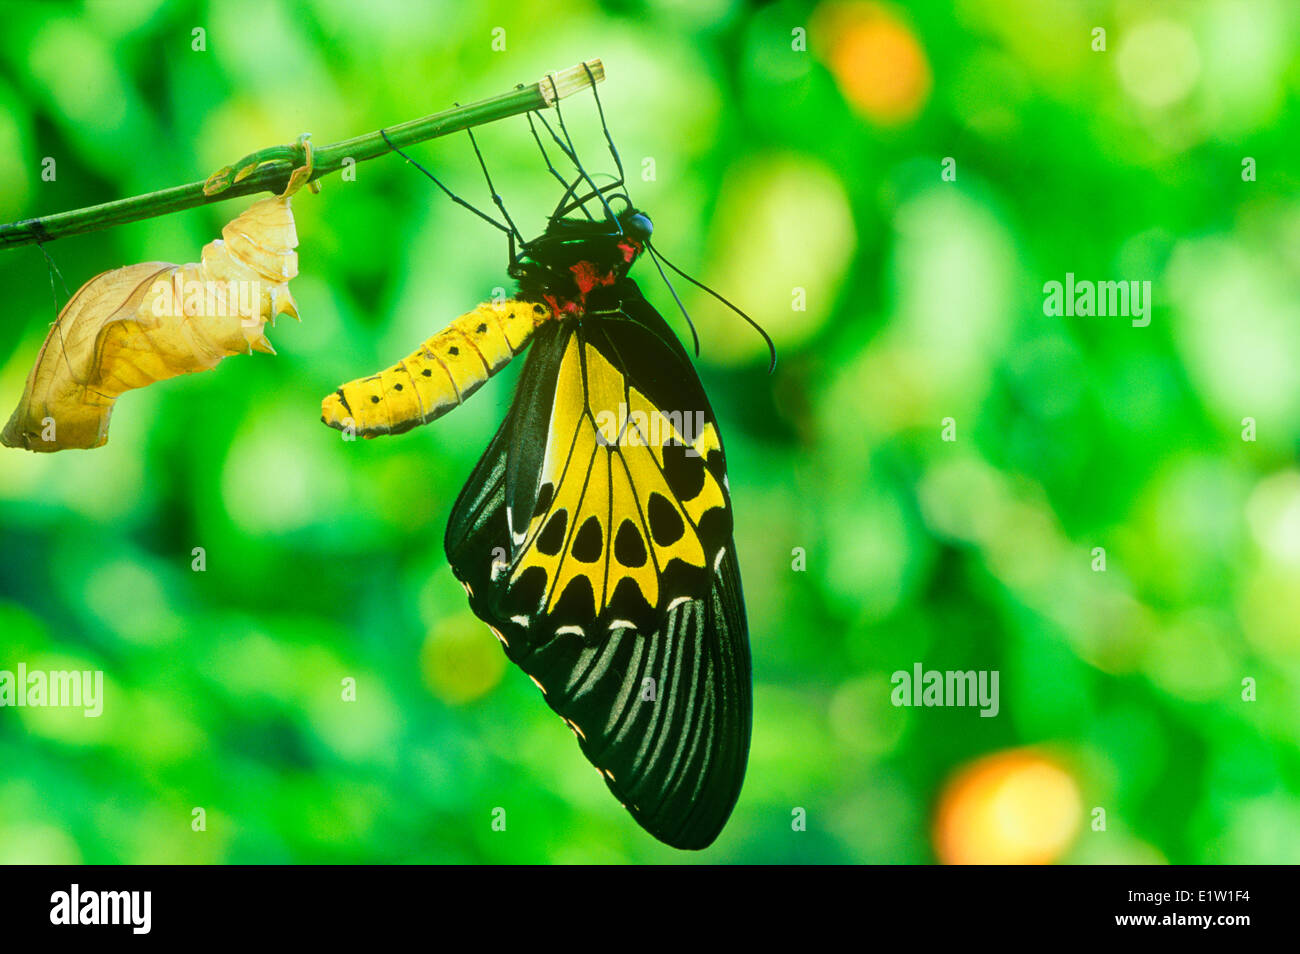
[(773, 169)]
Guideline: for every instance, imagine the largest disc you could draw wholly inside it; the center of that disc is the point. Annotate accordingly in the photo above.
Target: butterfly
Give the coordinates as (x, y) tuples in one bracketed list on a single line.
[(595, 534)]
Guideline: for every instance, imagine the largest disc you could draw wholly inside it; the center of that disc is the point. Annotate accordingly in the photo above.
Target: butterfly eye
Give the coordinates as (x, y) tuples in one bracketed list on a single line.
[(638, 224)]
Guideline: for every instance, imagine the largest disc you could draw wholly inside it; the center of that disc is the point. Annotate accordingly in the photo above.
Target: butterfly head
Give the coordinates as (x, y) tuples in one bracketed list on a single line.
[(575, 259)]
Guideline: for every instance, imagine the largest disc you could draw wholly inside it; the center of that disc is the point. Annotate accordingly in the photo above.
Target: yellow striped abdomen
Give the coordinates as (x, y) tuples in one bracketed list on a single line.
[(440, 374)]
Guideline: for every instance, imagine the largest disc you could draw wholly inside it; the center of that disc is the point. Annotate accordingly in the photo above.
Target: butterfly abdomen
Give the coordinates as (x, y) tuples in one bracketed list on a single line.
[(440, 374)]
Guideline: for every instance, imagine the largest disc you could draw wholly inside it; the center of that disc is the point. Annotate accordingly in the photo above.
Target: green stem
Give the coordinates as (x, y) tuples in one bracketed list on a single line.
[(280, 161)]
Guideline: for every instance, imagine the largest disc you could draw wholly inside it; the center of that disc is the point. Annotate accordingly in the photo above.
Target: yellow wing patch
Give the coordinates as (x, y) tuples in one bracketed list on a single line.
[(628, 490)]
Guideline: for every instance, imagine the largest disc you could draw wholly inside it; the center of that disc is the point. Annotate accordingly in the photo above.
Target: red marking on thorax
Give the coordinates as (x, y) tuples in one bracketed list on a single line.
[(567, 308), (587, 277), (585, 274)]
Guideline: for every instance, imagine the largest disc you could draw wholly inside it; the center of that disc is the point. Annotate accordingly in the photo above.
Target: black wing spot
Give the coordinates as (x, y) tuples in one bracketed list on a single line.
[(665, 522), (590, 541), (576, 601), (453, 351), (715, 525), (374, 399), (530, 587), (629, 548), (552, 536), (427, 373), (481, 329), (544, 494), (716, 462), (629, 603), (397, 387), (684, 470)]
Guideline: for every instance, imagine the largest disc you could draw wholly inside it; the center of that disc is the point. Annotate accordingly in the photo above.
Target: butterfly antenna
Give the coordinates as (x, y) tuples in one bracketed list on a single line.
[(451, 195), (654, 257), (496, 198), (771, 346)]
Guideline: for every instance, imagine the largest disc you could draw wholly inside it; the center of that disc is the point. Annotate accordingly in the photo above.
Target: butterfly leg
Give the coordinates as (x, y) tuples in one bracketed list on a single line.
[(438, 182), (604, 126), (532, 127), (566, 145), (496, 197)]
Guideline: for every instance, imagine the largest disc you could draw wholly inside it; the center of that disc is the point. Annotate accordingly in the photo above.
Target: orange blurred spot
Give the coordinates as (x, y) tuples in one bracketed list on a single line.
[(1013, 808), (875, 58)]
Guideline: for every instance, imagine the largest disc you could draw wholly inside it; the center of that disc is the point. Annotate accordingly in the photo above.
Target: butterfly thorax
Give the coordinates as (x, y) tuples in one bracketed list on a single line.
[(569, 265)]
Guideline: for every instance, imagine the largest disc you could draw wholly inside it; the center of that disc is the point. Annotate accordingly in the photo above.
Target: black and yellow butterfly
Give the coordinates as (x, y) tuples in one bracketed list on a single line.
[(595, 534)]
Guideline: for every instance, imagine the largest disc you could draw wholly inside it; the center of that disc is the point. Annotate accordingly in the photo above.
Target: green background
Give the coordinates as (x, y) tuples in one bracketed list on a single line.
[(923, 302)]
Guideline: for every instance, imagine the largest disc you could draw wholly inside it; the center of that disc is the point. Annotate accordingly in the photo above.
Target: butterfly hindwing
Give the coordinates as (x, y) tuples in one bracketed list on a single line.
[(604, 562), (628, 509)]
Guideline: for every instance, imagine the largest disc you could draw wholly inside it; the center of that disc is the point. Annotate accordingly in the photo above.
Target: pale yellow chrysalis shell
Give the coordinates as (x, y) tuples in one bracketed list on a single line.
[(132, 326)]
